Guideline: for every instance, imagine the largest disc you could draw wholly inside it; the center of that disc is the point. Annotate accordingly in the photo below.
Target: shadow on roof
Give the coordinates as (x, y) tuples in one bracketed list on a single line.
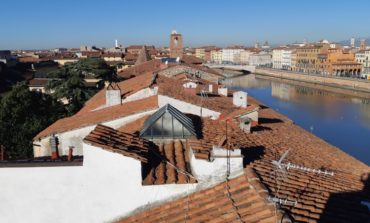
[(349, 207), (260, 128), (198, 125), (269, 120), (252, 154)]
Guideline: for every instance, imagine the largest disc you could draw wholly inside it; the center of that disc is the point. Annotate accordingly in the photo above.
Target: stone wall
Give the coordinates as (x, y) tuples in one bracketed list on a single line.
[(349, 83)]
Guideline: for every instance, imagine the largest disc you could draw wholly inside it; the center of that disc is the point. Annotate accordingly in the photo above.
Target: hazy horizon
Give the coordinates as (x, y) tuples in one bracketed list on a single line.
[(43, 24)]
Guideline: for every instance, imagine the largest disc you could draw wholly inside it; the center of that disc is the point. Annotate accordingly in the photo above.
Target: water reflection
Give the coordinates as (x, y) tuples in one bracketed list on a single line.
[(343, 121)]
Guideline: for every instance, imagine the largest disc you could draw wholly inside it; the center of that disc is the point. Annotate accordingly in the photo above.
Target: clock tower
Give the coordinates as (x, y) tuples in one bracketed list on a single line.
[(176, 47)]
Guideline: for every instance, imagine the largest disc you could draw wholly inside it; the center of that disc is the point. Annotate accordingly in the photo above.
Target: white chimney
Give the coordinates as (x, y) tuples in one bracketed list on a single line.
[(214, 169), (240, 99), (210, 88), (112, 96), (222, 91)]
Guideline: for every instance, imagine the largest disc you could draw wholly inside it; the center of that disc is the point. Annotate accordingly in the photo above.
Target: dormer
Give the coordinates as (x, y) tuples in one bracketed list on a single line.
[(168, 123)]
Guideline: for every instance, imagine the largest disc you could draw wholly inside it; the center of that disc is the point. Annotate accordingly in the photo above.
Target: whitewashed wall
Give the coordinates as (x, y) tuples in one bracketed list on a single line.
[(215, 171), (187, 107), (74, 137), (106, 187), (144, 93)]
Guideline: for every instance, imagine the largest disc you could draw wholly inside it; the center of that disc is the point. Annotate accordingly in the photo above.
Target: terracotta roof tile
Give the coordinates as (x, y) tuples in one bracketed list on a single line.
[(95, 117), (159, 172), (174, 88), (127, 87), (149, 66), (216, 204), (119, 142), (166, 163)]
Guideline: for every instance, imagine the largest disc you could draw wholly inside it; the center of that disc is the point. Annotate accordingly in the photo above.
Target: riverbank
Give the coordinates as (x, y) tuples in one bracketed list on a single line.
[(321, 87), (335, 82)]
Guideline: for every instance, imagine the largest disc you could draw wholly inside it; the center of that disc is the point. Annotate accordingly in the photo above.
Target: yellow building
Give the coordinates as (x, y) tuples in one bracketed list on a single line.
[(307, 58)]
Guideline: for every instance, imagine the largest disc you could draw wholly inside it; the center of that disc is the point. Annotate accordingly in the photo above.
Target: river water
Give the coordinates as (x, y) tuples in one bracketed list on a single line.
[(343, 121)]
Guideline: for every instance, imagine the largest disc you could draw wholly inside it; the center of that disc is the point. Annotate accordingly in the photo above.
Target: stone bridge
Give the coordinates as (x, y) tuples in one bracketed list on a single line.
[(248, 68)]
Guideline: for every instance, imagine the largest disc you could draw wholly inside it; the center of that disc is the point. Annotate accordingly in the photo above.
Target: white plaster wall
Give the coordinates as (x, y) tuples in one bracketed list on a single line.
[(252, 115), (222, 91), (74, 137), (144, 93), (190, 85), (106, 187), (187, 107), (215, 171)]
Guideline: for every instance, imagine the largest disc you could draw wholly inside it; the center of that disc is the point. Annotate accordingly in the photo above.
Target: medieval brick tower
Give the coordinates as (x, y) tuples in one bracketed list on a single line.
[(176, 47)]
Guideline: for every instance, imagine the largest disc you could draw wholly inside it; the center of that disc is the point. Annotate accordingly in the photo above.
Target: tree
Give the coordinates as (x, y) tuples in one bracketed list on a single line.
[(69, 82), (23, 114)]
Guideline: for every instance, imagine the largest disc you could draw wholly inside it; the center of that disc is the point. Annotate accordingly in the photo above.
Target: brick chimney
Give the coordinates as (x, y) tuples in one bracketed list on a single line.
[(70, 154), (2, 153), (113, 95), (54, 147)]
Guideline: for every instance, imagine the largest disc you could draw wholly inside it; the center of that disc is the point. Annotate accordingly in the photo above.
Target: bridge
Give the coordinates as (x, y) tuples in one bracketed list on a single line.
[(248, 68)]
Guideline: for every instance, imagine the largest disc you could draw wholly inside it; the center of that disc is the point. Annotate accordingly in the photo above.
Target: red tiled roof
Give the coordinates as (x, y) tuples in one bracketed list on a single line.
[(135, 126), (158, 172), (235, 201), (119, 142), (174, 88), (319, 198), (158, 162), (127, 87), (191, 59), (149, 66), (38, 82), (95, 117)]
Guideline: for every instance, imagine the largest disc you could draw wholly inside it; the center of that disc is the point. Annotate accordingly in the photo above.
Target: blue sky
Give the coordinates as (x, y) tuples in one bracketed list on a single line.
[(41, 24)]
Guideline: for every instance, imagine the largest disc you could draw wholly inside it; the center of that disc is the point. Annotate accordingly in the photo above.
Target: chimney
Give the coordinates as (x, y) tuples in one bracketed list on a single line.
[(240, 99), (54, 147), (222, 91), (70, 154), (210, 88), (113, 95), (2, 153)]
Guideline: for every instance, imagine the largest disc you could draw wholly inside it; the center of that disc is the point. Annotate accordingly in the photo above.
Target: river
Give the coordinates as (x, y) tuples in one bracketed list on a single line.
[(341, 120)]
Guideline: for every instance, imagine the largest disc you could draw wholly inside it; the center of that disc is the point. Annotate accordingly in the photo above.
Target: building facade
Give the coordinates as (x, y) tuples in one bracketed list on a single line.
[(282, 58), (216, 56), (231, 54), (363, 57), (262, 59)]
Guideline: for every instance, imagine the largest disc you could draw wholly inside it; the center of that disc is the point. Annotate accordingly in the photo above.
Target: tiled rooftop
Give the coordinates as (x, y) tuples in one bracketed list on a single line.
[(241, 202), (127, 87), (319, 197), (95, 117), (119, 142), (158, 172), (149, 66), (165, 163)]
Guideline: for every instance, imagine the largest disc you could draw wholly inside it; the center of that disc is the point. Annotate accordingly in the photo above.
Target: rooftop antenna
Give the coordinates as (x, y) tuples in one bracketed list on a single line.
[(280, 175)]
